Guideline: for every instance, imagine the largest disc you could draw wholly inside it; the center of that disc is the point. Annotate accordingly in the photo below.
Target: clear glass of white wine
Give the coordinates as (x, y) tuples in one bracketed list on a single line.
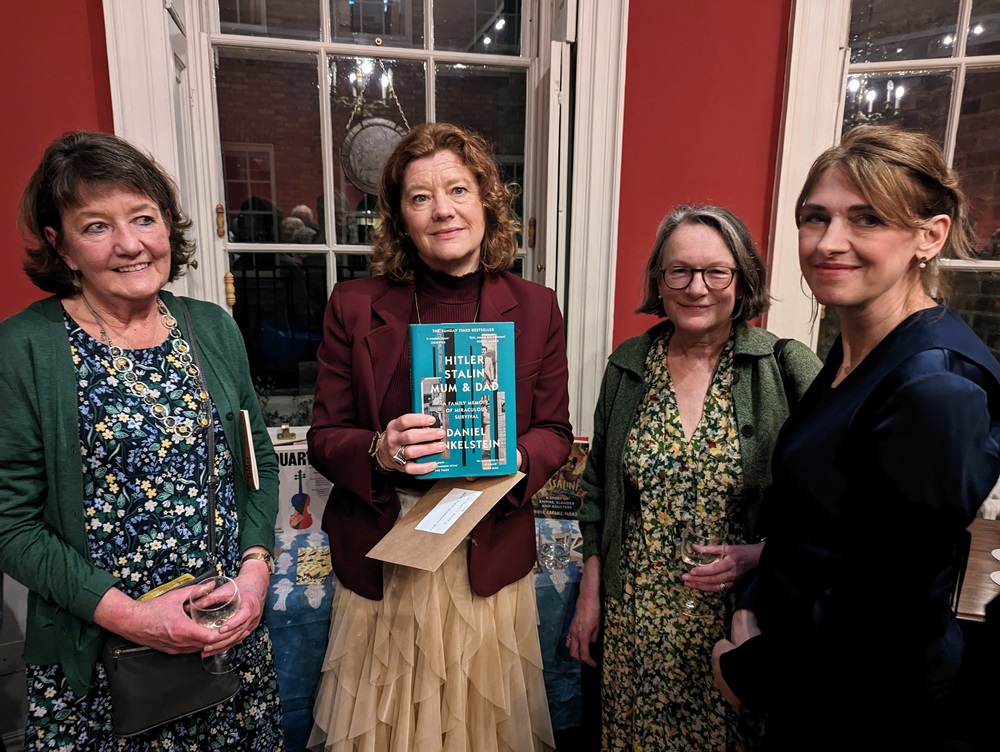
[(211, 604), (702, 531)]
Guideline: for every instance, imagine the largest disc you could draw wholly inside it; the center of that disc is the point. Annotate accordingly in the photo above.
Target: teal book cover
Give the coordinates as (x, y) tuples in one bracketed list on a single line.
[(463, 374)]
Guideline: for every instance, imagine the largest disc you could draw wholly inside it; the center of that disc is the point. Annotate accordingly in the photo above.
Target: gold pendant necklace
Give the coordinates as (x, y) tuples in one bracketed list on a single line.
[(124, 367)]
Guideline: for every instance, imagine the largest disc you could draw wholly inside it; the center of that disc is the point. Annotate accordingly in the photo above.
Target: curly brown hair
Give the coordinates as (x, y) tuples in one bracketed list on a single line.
[(86, 160), (393, 252)]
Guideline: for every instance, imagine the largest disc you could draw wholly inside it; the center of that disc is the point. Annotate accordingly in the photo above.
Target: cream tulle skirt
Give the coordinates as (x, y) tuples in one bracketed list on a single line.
[(433, 667)]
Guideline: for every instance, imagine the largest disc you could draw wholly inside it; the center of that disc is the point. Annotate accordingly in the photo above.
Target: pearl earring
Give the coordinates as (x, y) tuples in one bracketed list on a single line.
[(923, 263)]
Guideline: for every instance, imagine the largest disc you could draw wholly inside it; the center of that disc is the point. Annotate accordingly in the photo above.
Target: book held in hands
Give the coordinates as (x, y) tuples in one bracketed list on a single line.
[(463, 375)]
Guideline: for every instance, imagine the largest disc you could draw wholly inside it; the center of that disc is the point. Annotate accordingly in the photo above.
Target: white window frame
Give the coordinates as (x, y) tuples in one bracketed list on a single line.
[(811, 123), (141, 70)]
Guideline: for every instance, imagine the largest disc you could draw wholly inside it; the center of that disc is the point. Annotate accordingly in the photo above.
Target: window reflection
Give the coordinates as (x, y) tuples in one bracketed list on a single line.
[(976, 297), (893, 30), (268, 108), (290, 19), (977, 157), (280, 299), (984, 28), (394, 23), (916, 100), (484, 26)]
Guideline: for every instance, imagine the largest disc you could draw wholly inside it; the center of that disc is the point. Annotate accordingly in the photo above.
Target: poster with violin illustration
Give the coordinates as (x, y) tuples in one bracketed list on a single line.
[(302, 491)]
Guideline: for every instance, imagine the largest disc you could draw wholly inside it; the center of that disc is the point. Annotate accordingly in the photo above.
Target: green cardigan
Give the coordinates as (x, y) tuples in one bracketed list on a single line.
[(759, 403), (43, 535)]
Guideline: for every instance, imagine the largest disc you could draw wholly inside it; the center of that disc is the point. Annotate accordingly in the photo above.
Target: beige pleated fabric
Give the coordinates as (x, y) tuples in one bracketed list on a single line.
[(433, 667)]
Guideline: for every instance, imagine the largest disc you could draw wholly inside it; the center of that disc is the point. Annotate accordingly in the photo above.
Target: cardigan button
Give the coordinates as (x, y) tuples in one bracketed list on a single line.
[(736, 377), (747, 431), (229, 416)]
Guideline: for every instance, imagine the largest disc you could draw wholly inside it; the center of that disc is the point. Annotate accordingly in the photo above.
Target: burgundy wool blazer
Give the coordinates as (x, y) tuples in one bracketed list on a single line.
[(365, 333)]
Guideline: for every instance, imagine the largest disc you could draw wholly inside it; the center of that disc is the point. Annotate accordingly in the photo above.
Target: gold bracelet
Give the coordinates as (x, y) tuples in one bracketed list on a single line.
[(373, 451)]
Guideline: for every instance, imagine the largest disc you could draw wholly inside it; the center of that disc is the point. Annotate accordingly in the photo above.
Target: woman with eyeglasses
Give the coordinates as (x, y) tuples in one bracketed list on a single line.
[(683, 430)]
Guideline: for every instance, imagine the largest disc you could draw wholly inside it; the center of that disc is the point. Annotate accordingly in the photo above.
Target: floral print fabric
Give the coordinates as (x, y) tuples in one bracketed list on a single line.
[(145, 508), (657, 675)]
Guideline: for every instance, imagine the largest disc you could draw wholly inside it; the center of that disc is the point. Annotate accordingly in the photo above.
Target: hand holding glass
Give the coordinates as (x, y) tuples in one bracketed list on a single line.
[(699, 533), (211, 604)]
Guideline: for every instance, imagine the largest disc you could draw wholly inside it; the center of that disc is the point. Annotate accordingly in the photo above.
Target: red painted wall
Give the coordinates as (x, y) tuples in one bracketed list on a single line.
[(55, 79), (703, 97), (702, 115)]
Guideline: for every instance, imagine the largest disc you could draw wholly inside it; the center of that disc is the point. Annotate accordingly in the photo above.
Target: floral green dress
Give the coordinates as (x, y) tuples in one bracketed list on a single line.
[(657, 681), (144, 503)]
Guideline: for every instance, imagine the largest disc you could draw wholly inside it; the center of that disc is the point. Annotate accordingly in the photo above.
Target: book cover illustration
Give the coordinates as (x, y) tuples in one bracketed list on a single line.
[(302, 490), (463, 375), (561, 496)]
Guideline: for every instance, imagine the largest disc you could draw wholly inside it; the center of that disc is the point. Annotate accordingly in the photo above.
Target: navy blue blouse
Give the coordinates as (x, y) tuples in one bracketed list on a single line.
[(875, 482)]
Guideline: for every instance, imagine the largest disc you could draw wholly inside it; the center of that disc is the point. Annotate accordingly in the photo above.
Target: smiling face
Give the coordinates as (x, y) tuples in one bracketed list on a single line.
[(443, 213), (697, 310), (851, 258), (119, 242)]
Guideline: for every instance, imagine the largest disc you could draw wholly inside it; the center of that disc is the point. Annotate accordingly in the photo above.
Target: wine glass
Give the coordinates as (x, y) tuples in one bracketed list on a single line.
[(701, 531), (211, 604)]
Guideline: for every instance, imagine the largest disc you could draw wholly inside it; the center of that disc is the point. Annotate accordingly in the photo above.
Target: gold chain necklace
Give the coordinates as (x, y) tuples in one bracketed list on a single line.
[(416, 305), (124, 367)]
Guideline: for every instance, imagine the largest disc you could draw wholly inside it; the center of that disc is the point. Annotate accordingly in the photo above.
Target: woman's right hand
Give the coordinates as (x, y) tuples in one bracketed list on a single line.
[(585, 628), (161, 623), (409, 437)]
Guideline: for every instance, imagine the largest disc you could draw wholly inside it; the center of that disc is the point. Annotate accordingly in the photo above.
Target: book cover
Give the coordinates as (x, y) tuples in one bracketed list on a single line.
[(250, 473), (463, 374), (302, 489), (561, 496)]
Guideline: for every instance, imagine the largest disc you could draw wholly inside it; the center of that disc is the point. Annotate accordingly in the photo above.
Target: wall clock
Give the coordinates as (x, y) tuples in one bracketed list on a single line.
[(365, 150)]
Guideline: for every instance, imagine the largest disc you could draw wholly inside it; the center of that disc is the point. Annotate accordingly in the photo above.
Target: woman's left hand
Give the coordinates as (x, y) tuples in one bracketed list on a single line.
[(721, 575)]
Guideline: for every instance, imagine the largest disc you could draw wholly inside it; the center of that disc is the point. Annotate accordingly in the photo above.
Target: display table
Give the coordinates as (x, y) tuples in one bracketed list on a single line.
[(298, 616)]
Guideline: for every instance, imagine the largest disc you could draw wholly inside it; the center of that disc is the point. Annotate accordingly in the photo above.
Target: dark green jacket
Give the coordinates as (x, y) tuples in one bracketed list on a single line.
[(43, 535), (759, 403)]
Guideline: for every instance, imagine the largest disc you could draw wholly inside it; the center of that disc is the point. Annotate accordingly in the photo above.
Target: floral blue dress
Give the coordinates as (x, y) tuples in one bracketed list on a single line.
[(145, 507), (657, 690)]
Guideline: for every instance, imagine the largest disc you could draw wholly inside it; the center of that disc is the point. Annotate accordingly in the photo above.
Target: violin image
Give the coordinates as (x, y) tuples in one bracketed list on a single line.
[(300, 517)]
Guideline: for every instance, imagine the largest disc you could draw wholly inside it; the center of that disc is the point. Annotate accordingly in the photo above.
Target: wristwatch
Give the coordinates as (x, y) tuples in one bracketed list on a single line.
[(261, 556)]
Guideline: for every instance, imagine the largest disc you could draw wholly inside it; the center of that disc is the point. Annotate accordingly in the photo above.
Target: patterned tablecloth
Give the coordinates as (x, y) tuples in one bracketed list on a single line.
[(298, 617)]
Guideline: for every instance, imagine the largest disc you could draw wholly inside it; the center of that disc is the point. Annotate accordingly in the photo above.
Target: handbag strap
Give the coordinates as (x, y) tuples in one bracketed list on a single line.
[(213, 478)]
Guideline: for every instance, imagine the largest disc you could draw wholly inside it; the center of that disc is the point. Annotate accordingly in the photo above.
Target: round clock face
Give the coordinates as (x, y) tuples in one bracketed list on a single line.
[(365, 150)]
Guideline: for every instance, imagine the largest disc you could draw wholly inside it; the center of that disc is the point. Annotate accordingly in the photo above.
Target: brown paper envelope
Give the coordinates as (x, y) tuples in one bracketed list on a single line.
[(406, 545)]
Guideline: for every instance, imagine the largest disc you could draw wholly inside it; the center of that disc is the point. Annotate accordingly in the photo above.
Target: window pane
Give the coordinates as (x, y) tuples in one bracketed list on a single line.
[(373, 104), (491, 101), (485, 26), (916, 100), (280, 299), (984, 28), (290, 19), (977, 156), (395, 23), (976, 296), (902, 29), (352, 266), (269, 126)]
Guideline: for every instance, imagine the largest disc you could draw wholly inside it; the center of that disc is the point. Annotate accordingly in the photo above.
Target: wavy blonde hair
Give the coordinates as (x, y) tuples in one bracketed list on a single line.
[(905, 178)]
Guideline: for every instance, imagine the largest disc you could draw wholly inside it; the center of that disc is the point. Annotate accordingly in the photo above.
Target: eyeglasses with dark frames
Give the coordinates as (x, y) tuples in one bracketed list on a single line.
[(714, 277)]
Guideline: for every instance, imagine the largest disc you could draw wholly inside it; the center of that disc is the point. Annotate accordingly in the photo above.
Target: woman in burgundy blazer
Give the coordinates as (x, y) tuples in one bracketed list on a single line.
[(446, 240)]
